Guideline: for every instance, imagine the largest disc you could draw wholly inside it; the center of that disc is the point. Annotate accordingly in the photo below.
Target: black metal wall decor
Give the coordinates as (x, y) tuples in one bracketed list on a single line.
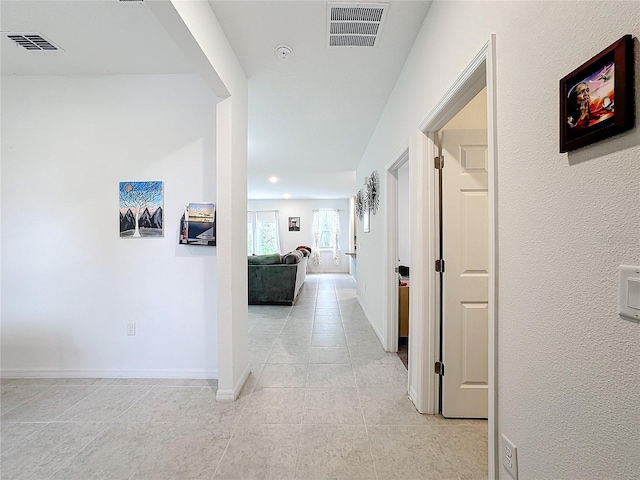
[(373, 192), (359, 204)]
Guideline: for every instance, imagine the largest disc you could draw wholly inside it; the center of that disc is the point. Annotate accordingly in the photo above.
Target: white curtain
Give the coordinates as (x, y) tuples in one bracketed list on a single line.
[(326, 234), (336, 237), (315, 249)]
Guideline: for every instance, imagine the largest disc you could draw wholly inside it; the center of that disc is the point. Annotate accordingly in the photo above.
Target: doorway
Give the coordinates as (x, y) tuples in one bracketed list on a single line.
[(395, 202), (463, 249), (424, 388), (404, 262)]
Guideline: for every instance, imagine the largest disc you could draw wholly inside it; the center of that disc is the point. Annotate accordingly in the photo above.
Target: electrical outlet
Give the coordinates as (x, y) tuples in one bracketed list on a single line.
[(509, 457), (131, 328)]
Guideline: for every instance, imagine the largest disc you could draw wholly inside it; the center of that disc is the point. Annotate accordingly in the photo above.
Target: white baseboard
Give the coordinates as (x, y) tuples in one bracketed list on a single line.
[(413, 396), (232, 395), (375, 329), (160, 373)]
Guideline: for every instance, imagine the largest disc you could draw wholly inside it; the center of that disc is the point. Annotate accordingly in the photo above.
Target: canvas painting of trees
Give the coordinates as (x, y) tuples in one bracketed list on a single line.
[(141, 209)]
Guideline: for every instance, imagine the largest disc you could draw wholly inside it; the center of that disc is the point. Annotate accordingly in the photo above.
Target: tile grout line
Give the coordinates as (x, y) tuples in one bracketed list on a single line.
[(364, 419), (237, 423), (304, 400), (235, 428), (366, 428), (101, 431), (75, 404), (136, 402), (45, 423), (49, 387), (84, 447)]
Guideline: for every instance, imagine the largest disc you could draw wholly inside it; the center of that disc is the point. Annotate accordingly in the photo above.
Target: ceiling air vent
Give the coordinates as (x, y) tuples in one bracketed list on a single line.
[(355, 24), (32, 41)]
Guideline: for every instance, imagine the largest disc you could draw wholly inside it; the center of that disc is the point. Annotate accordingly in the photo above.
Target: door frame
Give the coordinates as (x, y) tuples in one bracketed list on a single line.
[(391, 239), (424, 348)]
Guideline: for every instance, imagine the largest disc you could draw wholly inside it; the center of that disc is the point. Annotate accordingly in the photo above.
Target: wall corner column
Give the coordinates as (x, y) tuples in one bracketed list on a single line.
[(231, 239)]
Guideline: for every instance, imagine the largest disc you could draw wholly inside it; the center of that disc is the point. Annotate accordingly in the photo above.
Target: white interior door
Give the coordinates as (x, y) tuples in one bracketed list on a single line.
[(466, 253)]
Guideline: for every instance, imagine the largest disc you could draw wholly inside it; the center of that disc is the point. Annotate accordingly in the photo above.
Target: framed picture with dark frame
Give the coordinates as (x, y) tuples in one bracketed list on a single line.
[(597, 98), (294, 224)]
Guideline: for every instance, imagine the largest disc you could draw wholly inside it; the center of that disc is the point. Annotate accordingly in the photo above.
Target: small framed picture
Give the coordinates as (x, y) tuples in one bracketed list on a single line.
[(294, 224), (596, 99)]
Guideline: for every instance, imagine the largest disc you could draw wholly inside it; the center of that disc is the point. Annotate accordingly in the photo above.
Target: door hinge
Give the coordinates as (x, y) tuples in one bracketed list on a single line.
[(439, 163), (440, 265), (439, 368)]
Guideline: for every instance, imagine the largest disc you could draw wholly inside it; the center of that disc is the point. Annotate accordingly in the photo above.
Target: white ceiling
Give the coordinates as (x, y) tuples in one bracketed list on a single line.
[(95, 36), (310, 116)]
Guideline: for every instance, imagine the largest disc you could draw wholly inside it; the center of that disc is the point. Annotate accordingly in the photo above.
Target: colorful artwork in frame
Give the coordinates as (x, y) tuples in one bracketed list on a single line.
[(597, 98), (198, 224), (141, 209)]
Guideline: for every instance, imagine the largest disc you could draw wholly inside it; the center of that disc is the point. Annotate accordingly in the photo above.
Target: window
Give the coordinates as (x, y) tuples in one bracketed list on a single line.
[(326, 234), (325, 222), (262, 232)]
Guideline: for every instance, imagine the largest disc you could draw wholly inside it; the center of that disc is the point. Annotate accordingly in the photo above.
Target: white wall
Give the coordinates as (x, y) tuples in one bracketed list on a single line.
[(569, 366), (70, 284), (303, 209)]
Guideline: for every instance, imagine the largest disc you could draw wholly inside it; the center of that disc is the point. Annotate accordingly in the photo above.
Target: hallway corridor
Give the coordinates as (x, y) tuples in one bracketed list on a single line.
[(320, 364)]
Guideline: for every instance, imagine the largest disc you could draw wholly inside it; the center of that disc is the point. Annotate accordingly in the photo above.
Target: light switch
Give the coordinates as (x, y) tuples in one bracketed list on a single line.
[(629, 292), (633, 293)]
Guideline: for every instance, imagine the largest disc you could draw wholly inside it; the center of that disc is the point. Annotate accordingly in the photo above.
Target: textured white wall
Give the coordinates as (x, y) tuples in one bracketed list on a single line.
[(70, 284), (303, 209), (569, 366)]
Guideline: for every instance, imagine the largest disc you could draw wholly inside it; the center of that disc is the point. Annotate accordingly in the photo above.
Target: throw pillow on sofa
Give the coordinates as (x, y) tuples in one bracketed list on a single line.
[(292, 257)]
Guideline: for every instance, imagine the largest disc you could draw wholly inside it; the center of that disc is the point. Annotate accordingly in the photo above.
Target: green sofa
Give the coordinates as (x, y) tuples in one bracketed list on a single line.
[(276, 279)]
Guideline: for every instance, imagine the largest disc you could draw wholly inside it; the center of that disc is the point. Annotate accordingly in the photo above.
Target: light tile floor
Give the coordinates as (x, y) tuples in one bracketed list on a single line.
[(324, 401)]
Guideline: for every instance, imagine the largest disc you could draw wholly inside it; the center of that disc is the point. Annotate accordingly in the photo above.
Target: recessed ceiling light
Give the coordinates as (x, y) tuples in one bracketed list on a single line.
[(273, 179)]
